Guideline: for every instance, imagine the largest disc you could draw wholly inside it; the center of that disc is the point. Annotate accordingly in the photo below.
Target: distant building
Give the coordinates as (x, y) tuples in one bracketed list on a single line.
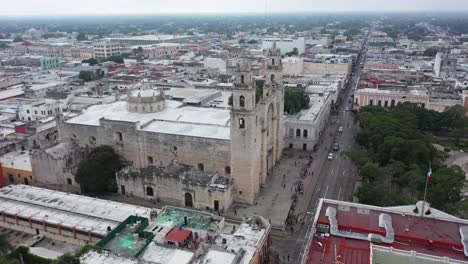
[(445, 66), (48, 63), (106, 48), (390, 97), (39, 109), (285, 44), (352, 233)]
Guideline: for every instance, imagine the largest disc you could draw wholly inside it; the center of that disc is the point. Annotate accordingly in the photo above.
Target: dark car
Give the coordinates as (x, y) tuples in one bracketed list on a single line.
[(336, 147)]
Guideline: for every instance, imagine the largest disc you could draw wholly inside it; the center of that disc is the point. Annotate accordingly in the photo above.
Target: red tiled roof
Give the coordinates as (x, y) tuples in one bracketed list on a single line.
[(426, 235), (178, 235)]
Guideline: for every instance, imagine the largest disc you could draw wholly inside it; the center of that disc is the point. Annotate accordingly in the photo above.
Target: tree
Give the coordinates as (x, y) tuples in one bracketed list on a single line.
[(3, 45), (295, 51), (370, 172), (81, 37), (295, 101), (430, 52), (86, 76), (116, 59), (18, 39), (91, 61), (5, 246), (96, 173)]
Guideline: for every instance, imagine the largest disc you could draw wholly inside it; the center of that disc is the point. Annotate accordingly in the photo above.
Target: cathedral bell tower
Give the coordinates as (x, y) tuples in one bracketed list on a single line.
[(245, 148), (273, 71)]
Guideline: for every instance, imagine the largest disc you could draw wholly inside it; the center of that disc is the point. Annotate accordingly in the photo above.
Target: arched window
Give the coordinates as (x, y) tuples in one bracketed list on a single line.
[(392, 104), (149, 191), (241, 101), (298, 132), (273, 62), (272, 77), (118, 136), (371, 102), (241, 123), (304, 133), (227, 170), (242, 79), (380, 103)]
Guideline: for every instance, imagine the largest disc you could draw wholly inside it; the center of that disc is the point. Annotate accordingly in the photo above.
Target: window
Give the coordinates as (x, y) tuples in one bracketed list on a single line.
[(35, 112), (304, 133), (27, 111), (379, 103), (11, 178), (241, 123), (298, 132), (241, 101), (273, 62), (272, 78), (69, 181), (242, 81), (150, 160), (149, 191), (392, 104), (371, 102), (92, 140), (227, 170), (386, 104), (290, 146), (201, 167), (118, 136), (304, 146)]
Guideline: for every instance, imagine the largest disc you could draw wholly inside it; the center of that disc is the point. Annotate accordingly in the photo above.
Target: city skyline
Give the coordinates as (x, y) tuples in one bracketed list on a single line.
[(107, 7)]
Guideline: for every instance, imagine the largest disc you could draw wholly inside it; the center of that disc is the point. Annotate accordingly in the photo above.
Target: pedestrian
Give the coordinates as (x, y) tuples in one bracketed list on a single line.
[(288, 257), (235, 211)]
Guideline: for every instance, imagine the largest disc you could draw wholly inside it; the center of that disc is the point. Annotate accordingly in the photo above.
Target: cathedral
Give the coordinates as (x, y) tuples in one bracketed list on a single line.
[(185, 155)]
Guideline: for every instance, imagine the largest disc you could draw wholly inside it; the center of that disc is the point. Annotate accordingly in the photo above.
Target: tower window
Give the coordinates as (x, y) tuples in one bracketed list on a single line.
[(149, 191), (272, 78), (273, 62), (242, 79), (241, 123), (118, 136), (304, 133), (241, 101)]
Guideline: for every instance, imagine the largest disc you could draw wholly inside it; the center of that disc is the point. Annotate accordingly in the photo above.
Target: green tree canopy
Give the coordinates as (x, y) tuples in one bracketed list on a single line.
[(96, 173), (295, 101), (91, 61), (18, 39), (87, 75), (81, 36)]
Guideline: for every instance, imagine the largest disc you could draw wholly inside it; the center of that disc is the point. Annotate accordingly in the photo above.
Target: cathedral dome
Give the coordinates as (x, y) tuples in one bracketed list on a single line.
[(146, 99)]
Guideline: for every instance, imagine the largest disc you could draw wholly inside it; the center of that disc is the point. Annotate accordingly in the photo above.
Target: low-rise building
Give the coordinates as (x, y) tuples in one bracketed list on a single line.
[(352, 233), (40, 109), (16, 168), (48, 63), (285, 44)]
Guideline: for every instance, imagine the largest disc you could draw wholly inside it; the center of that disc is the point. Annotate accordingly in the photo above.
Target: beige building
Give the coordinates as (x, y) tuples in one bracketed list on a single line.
[(106, 48), (390, 97), (241, 144), (294, 66)]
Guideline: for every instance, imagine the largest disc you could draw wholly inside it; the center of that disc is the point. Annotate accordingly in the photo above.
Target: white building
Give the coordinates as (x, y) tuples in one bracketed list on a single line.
[(285, 44), (106, 48), (215, 63), (37, 110), (304, 129)]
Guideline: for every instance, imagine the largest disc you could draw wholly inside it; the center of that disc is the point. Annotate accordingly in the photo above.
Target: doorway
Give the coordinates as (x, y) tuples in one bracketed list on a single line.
[(122, 189), (188, 200), (216, 205)]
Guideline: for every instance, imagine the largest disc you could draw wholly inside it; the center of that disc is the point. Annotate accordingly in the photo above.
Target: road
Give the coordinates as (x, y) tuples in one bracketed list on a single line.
[(332, 179)]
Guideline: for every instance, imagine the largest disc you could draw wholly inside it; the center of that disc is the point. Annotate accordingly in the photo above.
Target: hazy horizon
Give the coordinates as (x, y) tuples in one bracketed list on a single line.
[(180, 7)]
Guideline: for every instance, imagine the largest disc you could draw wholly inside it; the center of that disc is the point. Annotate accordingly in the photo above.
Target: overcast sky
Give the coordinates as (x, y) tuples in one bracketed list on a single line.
[(74, 7)]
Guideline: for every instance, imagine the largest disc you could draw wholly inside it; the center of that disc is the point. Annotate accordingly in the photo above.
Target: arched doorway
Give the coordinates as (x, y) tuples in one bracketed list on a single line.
[(188, 200), (149, 191)]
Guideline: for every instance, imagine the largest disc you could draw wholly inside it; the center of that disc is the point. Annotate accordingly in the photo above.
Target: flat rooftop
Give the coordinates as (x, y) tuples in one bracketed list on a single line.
[(433, 237), (195, 219), (70, 210), (187, 121), (16, 160)]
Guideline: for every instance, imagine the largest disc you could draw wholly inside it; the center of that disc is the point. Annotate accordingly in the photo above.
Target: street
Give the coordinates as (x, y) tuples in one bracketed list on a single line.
[(332, 179)]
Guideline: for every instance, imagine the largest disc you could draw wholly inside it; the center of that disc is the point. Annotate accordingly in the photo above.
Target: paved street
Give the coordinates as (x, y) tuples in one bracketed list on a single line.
[(333, 179)]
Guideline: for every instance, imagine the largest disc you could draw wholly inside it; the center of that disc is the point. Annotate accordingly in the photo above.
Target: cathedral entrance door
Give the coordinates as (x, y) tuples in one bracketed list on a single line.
[(188, 200)]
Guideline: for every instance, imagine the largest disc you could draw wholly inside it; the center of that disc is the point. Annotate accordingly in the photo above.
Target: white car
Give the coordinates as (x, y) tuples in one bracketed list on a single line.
[(330, 156), (340, 129)]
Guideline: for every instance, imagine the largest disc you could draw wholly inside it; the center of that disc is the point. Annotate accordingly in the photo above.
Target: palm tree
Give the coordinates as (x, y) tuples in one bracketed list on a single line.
[(5, 246)]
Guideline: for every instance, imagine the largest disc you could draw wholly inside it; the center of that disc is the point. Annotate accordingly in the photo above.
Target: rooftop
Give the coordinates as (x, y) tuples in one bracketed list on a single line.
[(362, 232), (16, 160), (174, 119), (195, 219), (71, 210)]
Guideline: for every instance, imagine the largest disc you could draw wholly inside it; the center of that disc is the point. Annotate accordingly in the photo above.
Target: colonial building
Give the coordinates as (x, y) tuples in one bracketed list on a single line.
[(237, 147)]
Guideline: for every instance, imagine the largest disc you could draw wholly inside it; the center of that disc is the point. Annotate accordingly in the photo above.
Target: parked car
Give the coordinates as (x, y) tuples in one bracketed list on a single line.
[(340, 129), (330, 156)]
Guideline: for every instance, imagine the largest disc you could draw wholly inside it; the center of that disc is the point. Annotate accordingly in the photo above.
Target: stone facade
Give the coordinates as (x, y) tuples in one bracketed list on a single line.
[(55, 167), (242, 146), (256, 127), (177, 184)]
